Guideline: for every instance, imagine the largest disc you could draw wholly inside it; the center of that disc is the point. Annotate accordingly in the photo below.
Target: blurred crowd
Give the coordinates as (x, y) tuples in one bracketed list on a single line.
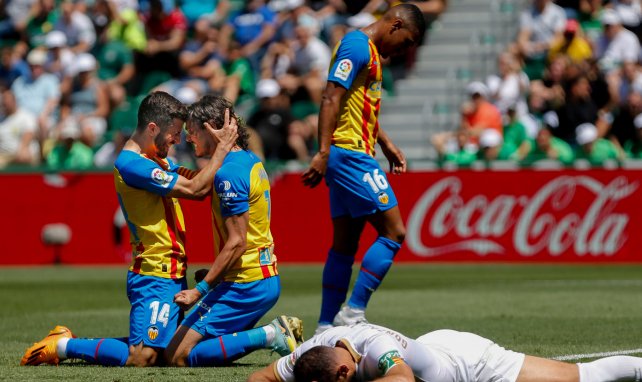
[(569, 87), (73, 72)]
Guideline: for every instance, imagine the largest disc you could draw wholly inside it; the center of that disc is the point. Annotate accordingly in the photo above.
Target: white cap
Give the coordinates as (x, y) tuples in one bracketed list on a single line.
[(84, 62), (267, 88), (551, 120), (610, 17), (477, 87), (37, 57), (490, 138), (186, 95), (585, 133), (55, 39), (637, 121)]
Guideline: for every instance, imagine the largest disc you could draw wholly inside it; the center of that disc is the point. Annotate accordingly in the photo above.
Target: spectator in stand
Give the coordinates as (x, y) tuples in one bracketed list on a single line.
[(253, 27), (115, 66), (630, 12), (547, 146), (478, 114), (617, 44), (17, 16), (77, 27), (12, 65), (272, 120), (166, 29), (592, 148), (572, 44), (541, 24), (213, 11), (38, 93), (633, 146), (457, 149), (548, 93), (86, 103), (624, 81), (18, 129), (42, 17), (121, 20), (491, 146), (509, 87), (70, 153), (624, 128), (515, 137), (59, 57), (240, 84), (106, 156), (578, 109)]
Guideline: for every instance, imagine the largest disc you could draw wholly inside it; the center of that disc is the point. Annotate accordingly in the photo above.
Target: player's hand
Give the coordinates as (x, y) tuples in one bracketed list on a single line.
[(227, 135), (185, 299), (313, 175), (395, 157)]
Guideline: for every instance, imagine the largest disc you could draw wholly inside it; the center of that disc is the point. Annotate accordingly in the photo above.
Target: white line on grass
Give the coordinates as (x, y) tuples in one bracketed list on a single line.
[(573, 357)]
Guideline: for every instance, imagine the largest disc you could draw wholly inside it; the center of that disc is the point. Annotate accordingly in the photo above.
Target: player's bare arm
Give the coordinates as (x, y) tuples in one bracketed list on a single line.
[(201, 184), (234, 248), (394, 155), (264, 375), (327, 120)]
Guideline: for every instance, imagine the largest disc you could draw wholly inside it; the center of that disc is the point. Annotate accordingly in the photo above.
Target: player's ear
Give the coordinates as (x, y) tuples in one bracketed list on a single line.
[(153, 129), (342, 373)]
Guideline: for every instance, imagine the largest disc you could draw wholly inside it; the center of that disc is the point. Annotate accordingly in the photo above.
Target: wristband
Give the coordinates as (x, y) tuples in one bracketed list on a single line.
[(202, 287)]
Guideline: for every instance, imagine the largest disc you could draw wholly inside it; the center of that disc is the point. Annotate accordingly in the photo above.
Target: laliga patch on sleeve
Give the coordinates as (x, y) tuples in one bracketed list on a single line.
[(161, 177), (344, 68), (388, 361)]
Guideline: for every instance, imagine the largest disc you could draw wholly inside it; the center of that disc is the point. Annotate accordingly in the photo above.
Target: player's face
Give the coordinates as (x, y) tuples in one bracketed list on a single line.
[(168, 137), (200, 139), (398, 42)]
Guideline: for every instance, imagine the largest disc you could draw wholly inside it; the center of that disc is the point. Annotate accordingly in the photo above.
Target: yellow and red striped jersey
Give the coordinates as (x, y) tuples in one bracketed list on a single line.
[(356, 66), (242, 185), (155, 221)]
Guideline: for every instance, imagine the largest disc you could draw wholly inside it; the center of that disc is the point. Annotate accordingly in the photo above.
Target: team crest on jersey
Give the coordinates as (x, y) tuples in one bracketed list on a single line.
[(152, 333), (344, 68), (161, 177), (388, 361), (383, 198)]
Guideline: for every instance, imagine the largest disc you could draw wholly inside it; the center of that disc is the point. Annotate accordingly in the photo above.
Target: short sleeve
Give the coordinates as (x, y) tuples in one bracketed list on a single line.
[(147, 175), (383, 354), (232, 189), (352, 55)]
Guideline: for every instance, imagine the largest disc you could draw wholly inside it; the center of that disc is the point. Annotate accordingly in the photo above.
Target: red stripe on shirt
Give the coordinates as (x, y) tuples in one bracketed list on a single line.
[(367, 108), (171, 230), (266, 271), (138, 262)]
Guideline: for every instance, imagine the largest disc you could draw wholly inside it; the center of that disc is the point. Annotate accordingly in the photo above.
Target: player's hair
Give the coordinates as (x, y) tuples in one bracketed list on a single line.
[(411, 15), (161, 109), (211, 109), (316, 364)]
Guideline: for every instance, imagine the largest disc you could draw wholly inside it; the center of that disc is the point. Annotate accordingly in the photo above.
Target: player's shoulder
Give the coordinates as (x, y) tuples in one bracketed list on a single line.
[(237, 165), (128, 159), (355, 36)]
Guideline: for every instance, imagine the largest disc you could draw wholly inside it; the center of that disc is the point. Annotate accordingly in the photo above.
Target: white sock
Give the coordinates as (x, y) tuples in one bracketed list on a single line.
[(270, 333), (612, 369), (61, 348)]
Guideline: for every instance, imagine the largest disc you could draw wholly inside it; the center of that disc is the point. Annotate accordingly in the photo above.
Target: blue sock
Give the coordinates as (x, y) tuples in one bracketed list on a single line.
[(99, 351), (225, 349), (375, 265), (336, 280)]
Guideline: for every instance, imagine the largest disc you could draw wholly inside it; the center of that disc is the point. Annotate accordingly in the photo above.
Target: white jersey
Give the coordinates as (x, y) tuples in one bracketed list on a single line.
[(440, 356)]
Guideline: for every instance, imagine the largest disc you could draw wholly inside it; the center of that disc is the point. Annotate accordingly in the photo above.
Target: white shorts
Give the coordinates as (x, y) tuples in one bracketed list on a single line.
[(474, 358)]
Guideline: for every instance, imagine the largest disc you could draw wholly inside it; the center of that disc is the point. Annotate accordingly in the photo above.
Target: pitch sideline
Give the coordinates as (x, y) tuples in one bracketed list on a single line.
[(574, 357)]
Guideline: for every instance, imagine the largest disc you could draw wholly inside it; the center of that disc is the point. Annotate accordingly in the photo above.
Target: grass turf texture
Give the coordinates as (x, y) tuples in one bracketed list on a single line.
[(540, 310)]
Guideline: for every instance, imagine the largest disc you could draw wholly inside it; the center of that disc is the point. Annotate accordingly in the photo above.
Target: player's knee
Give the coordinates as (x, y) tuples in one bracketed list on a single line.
[(400, 235)]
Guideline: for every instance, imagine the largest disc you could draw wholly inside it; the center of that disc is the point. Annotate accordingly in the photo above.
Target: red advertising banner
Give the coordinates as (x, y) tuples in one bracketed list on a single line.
[(500, 216)]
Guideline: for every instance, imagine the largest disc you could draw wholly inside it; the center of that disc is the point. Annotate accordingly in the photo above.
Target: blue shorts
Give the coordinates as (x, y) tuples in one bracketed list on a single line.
[(154, 317), (358, 186), (233, 307)]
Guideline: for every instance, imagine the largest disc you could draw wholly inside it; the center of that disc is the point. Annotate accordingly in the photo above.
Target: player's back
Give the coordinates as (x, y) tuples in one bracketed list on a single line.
[(356, 66), (242, 185), (155, 221)]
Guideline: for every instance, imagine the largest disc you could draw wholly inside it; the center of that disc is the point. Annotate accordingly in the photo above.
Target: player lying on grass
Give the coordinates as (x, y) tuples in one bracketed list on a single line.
[(365, 352)]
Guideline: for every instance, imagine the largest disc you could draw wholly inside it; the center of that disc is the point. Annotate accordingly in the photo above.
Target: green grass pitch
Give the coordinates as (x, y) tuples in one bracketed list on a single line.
[(538, 309)]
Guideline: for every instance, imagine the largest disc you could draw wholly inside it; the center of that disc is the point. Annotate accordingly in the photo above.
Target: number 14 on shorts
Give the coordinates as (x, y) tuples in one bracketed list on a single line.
[(161, 316), (375, 180)]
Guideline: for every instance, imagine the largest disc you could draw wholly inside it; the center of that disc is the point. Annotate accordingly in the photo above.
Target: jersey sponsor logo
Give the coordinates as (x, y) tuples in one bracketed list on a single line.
[(161, 177), (383, 198), (152, 333), (344, 68), (388, 361), (375, 86), (227, 195), (225, 185)]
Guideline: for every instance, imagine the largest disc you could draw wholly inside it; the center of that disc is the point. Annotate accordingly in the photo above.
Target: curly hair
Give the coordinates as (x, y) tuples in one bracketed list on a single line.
[(316, 364), (211, 109), (160, 108)]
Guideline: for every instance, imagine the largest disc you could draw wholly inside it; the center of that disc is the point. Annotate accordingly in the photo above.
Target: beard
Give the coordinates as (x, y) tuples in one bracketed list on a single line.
[(161, 147)]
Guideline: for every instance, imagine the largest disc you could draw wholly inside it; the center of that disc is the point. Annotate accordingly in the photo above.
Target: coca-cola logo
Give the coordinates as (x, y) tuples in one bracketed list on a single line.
[(551, 221)]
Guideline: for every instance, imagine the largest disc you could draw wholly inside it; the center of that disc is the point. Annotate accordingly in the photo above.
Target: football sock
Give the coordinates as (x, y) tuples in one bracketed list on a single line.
[(336, 280), (611, 369), (375, 265), (99, 351), (225, 349)]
